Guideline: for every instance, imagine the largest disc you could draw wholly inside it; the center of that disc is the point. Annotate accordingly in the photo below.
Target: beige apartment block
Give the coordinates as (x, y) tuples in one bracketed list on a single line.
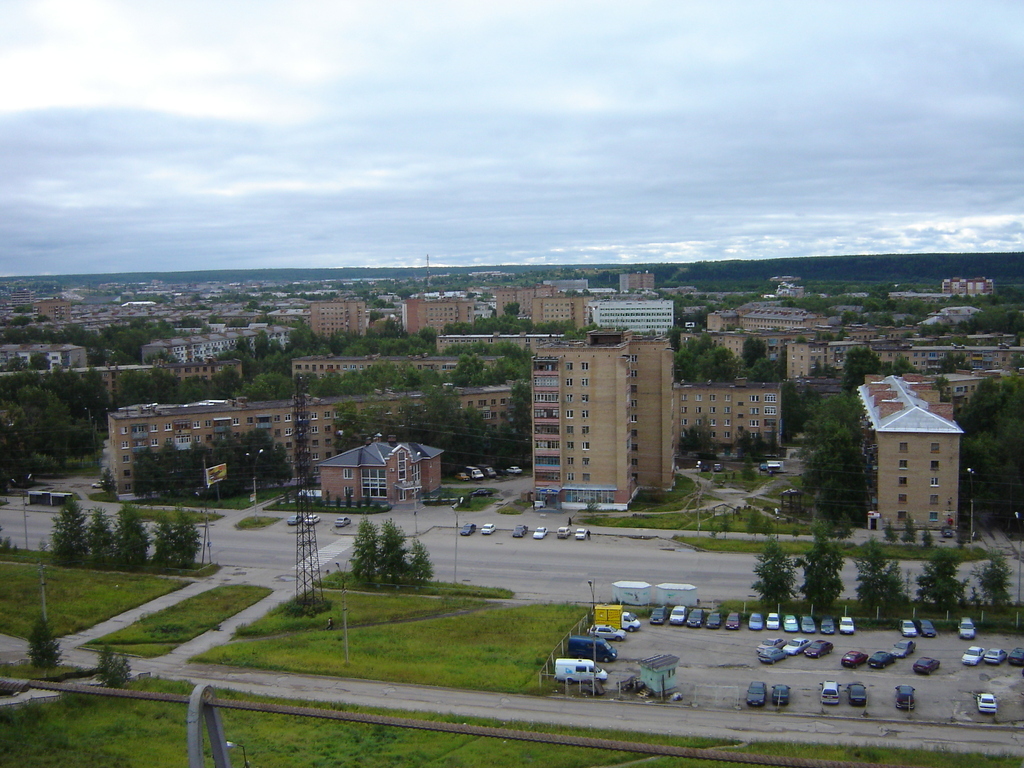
[(523, 297), (329, 317), (323, 365), (914, 452), (636, 281), (560, 309), (418, 313), (728, 410), (521, 340), (58, 310), (602, 420)]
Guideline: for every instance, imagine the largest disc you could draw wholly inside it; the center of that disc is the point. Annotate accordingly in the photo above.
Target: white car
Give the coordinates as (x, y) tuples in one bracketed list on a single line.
[(973, 656), (795, 646), (773, 622), (582, 534), (630, 622), (790, 624), (678, 615), (607, 632), (987, 704), (966, 629), (908, 628), (514, 471), (310, 519), (487, 529), (540, 533), (341, 522), (846, 626)]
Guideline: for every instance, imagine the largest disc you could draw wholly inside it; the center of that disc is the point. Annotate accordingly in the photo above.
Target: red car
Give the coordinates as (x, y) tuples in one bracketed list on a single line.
[(854, 659), (818, 648), (732, 621)]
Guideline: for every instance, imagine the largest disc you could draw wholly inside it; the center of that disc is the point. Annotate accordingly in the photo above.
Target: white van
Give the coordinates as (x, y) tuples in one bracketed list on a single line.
[(578, 670), (830, 692), (474, 473)]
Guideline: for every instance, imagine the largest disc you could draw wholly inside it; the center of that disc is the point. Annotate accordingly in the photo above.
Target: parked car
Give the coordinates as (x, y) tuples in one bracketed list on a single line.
[(925, 628), (795, 646), (714, 620), (818, 648), (607, 632), (482, 492), (880, 659), (487, 529), (757, 694), (696, 618), (947, 532), (519, 531), (790, 624), (908, 628), (732, 621), (780, 695), (994, 656), (857, 694), (630, 622), (719, 468), (756, 622), (846, 626), (853, 659), (488, 471), (828, 626), (310, 519), (830, 692), (468, 529), (904, 648), (582, 534), (462, 476), (514, 471), (342, 522), (966, 629), (540, 533), (659, 614), (904, 697), (807, 625), (678, 616), (926, 665), (773, 622), (973, 656), (563, 533), (1016, 657), (987, 704), (771, 656), (771, 642)]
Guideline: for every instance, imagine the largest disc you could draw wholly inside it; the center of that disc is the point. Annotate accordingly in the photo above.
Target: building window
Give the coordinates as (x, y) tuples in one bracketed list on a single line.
[(584, 430), (770, 410), (933, 516), (935, 482), (568, 366), (167, 427), (568, 414), (633, 418), (124, 444), (584, 414), (935, 466), (934, 499), (584, 382), (570, 445), (585, 445), (374, 483), (584, 398), (570, 476), (903, 463), (126, 459), (754, 423), (901, 480), (287, 431), (770, 398), (570, 460), (569, 429), (586, 477), (568, 398), (584, 366), (727, 409), (935, 447), (901, 514), (685, 422), (568, 382), (234, 422), (586, 461), (903, 448), (901, 498), (346, 473)]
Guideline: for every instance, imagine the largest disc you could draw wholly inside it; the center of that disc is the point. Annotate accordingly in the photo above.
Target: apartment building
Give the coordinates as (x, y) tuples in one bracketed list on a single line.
[(523, 297), (975, 286), (521, 340), (913, 448), (321, 365), (775, 341), (58, 310), (329, 317), (730, 410), (560, 309), (636, 281), (602, 419), (1002, 357), (54, 355), (758, 317), (418, 313), (646, 317), (202, 346)]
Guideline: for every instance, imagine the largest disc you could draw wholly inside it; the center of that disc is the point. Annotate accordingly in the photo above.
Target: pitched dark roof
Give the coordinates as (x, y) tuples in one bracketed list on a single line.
[(377, 454)]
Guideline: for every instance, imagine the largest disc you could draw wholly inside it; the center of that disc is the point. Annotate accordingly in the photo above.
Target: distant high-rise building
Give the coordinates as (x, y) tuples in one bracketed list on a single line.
[(636, 281), (420, 313), (329, 317), (649, 317)]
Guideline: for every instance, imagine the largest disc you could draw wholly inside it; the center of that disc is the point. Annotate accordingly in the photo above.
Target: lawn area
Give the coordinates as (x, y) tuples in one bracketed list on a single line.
[(75, 599), (341, 579), (161, 632), (793, 546), (499, 649), (262, 521), (89, 731)]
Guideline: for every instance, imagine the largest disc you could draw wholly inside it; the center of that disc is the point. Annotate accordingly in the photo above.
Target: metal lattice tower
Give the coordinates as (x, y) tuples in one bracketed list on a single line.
[(308, 588)]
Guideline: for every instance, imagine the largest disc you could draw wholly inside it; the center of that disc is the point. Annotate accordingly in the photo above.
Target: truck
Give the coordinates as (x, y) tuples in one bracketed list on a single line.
[(771, 467), (608, 614), (475, 473)]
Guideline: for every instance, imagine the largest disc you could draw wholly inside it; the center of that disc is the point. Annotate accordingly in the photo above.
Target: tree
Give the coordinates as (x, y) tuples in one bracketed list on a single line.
[(891, 537), (68, 541), (822, 564), (879, 581), (834, 464), (113, 670), (365, 552), (131, 540), (938, 583), (391, 550), (100, 539), (994, 579), (909, 531), (177, 541), (43, 647), (776, 574), (927, 541), (420, 570), (859, 362), (754, 349)]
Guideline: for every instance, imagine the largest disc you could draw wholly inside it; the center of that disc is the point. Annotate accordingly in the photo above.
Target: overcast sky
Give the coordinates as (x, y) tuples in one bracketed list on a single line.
[(233, 134)]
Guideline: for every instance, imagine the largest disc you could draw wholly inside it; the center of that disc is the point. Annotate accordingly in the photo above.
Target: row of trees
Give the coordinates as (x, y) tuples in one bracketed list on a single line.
[(381, 555), (124, 542), (881, 584)]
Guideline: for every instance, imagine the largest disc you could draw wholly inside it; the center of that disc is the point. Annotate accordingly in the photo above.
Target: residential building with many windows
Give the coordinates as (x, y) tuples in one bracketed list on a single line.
[(419, 313), (647, 317), (732, 413), (329, 317), (602, 419)]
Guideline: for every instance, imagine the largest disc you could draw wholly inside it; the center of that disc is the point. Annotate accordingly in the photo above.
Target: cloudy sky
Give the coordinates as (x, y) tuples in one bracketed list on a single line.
[(242, 133)]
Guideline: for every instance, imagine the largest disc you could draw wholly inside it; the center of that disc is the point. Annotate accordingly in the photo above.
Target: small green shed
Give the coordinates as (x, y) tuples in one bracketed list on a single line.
[(658, 673)]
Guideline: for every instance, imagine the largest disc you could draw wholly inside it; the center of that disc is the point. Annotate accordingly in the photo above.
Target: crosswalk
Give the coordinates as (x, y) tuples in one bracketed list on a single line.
[(331, 553)]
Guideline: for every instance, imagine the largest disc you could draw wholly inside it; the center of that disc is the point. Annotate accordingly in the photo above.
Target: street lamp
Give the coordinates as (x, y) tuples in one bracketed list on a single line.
[(971, 473), (232, 745), (455, 509), (593, 617), (254, 462)]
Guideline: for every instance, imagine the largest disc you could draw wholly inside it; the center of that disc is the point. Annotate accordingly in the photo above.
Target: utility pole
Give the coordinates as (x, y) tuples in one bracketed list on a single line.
[(42, 590)]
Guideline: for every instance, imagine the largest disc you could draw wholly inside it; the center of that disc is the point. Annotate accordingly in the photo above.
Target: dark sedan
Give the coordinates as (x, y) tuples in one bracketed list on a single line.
[(714, 620), (904, 697), (659, 614), (925, 628), (1016, 657), (771, 655), (468, 529), (780, 695), (757, 694), (482, 492), (904, 648), (732, 621), (853, 659), (696, 618), (828, 625), (926, 665), (880, 659), (857, 694), (818, 648)]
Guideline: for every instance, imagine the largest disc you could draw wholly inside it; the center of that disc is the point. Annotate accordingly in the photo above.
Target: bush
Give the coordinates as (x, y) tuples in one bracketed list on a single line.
[(114, 670)]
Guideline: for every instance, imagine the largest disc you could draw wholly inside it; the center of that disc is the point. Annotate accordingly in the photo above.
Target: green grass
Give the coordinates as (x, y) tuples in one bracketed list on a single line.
[(99, 732), (158, 633), (364, 609), (75, 599), (341, 579), (493, 650), (793, 546), (247, 523)]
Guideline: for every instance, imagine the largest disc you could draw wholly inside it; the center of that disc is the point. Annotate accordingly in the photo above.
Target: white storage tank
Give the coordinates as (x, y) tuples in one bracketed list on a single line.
[(676, 594), (631, 592)]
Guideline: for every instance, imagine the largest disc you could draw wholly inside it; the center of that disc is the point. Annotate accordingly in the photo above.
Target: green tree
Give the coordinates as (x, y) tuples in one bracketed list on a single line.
[(100, 539), (927, 541), (131, 540), (859, 362), (754, 349), (113, 669), (909, 531), (177, 541), (891, 537), (833, 462), (420, 570), (879, 581), (391, 563), (822, 565), (68, 541), (993, 579), (938, 583), (43, 647), (776, 574), (364, 561)]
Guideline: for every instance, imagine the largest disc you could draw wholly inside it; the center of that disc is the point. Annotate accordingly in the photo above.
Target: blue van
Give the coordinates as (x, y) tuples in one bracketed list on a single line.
[(584, 648)]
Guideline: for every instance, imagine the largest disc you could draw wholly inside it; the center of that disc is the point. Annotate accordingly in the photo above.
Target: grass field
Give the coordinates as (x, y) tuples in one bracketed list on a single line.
[(491, 650), (161, 632), (97, 732), (793, 546), (75, 599)]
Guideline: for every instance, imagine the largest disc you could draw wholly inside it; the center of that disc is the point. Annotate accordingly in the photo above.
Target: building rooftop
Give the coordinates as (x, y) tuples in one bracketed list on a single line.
[(894, 405)]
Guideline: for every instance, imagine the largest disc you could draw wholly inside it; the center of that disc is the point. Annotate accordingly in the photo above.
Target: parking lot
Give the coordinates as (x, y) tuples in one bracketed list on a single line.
[(716, 667)]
